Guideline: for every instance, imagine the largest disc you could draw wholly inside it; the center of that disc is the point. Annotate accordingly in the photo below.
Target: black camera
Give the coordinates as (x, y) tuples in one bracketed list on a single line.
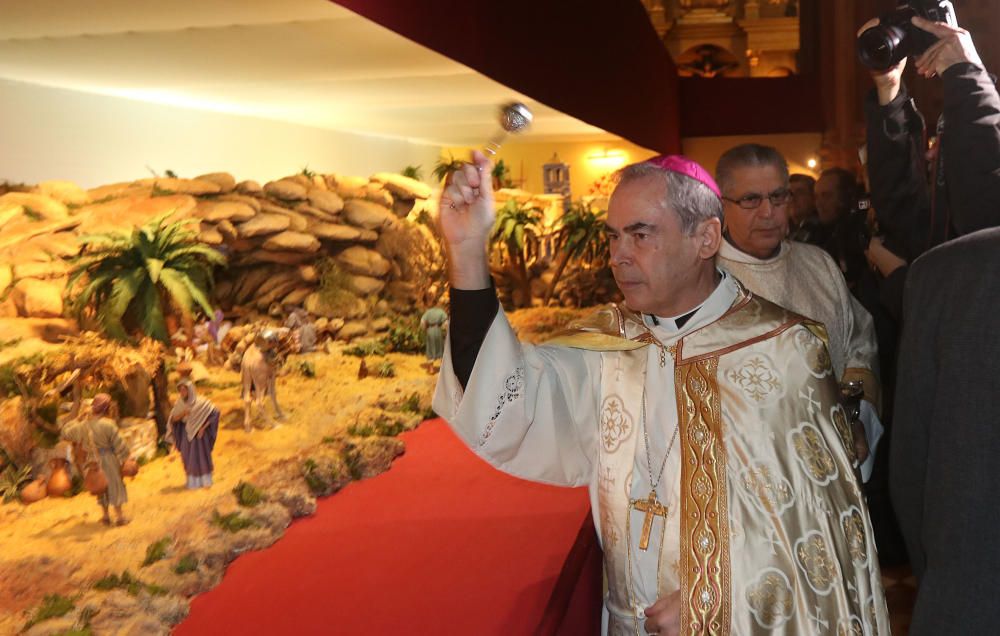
[(851, 236), (858, 222), (895, 38)]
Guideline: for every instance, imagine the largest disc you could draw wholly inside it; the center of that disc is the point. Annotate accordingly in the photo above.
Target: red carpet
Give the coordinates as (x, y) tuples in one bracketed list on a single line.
[(440, 544)]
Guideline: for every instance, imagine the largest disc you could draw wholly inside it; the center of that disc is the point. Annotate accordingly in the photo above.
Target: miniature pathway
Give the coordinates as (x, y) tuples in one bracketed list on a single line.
[(442, 543)]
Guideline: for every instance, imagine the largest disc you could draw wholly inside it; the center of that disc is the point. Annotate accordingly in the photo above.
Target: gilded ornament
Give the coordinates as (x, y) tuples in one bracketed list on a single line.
[(771, 599), (813, 454), (813, 557)]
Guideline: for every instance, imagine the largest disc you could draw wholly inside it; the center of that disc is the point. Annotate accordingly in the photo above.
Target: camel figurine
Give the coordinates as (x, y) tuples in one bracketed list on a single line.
[(258, 371)]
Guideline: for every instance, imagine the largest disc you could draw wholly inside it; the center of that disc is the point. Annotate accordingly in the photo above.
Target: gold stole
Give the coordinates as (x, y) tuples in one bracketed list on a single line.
[(705, 565)]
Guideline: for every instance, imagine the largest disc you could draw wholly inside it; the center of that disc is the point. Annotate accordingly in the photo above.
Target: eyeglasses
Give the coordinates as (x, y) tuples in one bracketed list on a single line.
[(753, 200)]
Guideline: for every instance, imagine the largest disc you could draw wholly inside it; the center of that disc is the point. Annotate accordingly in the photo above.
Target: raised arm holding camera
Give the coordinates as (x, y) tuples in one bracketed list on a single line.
[(963, 194), (943, 441)]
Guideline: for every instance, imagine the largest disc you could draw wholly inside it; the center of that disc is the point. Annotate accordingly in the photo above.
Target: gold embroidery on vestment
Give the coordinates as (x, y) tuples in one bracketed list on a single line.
[(853, 526), (771, 598), (616, 423), (705, 566), (812, 554), (813, 454)]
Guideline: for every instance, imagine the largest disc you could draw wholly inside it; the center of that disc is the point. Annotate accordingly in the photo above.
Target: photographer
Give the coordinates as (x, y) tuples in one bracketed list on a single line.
[(964, 190), (943, 443)]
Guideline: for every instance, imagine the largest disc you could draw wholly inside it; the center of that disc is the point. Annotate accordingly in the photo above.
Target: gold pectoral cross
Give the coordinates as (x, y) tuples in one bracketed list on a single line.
[(652, 507)]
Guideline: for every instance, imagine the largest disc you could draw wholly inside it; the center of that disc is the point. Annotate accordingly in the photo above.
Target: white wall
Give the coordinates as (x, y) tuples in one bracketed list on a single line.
[(49, 133)]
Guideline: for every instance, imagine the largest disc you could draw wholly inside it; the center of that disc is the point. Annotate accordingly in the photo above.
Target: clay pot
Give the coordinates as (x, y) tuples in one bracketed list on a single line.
[(130, 468), (59, 481), (33, 491), (94, 481)]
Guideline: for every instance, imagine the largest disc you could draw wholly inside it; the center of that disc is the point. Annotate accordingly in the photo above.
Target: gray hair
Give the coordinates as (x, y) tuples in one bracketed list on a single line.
[(748, 156), (691, 200)]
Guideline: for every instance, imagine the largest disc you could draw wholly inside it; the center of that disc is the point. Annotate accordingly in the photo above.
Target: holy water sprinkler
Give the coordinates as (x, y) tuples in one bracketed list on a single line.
[(514, 118)]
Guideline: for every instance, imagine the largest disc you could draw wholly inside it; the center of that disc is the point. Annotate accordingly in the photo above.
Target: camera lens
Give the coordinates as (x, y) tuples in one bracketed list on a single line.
[(881, 47)]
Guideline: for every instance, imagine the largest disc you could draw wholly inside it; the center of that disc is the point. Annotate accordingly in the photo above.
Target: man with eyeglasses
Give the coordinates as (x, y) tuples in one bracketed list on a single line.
[(799, 277)]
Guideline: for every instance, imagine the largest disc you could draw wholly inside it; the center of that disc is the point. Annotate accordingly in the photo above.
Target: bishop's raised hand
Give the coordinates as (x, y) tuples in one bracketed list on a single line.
[(467, 215)]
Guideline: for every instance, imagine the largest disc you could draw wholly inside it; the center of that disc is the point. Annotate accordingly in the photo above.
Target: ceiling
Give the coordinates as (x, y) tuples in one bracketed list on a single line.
[(307, 62)]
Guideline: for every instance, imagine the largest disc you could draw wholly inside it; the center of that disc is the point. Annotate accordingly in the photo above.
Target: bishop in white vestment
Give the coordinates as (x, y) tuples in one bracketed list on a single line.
[(717, 456)]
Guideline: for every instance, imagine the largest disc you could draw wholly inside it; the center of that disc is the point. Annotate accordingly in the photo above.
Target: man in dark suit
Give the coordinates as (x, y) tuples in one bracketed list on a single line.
[(945, 443), (945, 461)]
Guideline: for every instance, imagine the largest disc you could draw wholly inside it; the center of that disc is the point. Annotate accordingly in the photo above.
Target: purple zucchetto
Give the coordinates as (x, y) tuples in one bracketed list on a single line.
[(687, 167)]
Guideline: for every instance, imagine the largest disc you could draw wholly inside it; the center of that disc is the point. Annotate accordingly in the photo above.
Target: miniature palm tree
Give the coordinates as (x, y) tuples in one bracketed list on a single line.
[(413, 172), (501, 176), (135, 280), (581, 236), (518, 228)]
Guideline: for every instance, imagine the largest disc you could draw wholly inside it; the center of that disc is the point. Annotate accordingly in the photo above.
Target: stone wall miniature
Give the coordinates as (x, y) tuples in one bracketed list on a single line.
[(333, 244)]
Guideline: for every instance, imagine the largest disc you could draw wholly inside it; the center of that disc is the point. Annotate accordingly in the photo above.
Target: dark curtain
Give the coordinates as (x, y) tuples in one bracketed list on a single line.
[(598, 61)]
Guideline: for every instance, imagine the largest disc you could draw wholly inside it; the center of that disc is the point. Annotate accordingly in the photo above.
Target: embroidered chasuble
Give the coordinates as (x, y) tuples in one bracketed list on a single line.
[(804, 279), (764, 529)]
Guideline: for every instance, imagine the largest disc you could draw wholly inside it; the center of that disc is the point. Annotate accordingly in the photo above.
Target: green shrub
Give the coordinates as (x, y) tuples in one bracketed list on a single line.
[(360, 430), (8, 383), (383, 427), (352, 459), (413, 172), (305, 368), (156, 551), (124, 581), (317, 483), (233, 522), (12, 480), (412, 405), (386, 369), (405, 337), (187, 563), (53, 606), (129, 584), (248, 495), (157, 590), (367, 348)]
